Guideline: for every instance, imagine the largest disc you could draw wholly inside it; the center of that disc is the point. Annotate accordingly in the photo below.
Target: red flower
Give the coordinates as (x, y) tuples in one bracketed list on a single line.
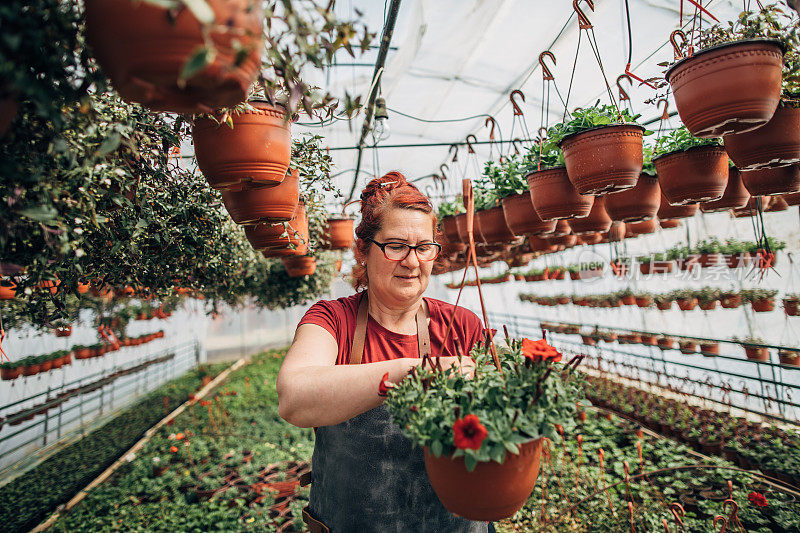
[(205, 403), (468, 432), (179, 436), (173, 449), (385, 385), (756, 498), (539, 351)]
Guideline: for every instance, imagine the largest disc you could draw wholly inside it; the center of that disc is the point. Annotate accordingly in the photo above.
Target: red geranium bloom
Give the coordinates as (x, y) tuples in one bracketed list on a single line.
[(173, 449), (468, 432), (758, 499), (385, 385), (539, 351), (179, 436)]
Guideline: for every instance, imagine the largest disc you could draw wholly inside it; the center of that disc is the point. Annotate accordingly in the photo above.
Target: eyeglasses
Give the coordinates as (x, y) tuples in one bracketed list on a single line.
[(398, 251)]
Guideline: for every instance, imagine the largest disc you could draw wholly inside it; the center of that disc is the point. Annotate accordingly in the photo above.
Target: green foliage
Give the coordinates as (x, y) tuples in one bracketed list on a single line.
[(681, 139), (648, 167), (507, 178), (545, 154), (591, 117), (523, 403), (453, 207), (28, 499)]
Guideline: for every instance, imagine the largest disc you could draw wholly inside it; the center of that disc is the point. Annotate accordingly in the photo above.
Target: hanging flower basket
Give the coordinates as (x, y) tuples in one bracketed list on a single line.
[(597, 220), (521, 217), (789, 357), (791, 306), (280, 240), (642, 227), (697, 174), (567, 241), (709, 349), (735, 195), (493, 226), (299, 265), (756, 353), (763, 305), (251, 204), (554, 197), (728, 88), (339, 233), (143, 48), (604, 159), (256, 150), (666, 343), (775, 144), (461, 224), (10, 371), (650, 340), (772, 181), (637, 203), (450, 229)]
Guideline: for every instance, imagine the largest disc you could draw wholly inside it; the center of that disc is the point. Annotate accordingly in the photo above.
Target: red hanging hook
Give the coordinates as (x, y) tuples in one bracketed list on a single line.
[(623, 95), (441, 169), (665, 114), (493, 122), (676, 48), (583, 21), (514, 142), (454, 150), (546, 74), (517, 109)]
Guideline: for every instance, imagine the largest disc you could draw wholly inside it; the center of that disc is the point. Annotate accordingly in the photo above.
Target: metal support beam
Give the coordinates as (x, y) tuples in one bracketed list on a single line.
[(386, 39)]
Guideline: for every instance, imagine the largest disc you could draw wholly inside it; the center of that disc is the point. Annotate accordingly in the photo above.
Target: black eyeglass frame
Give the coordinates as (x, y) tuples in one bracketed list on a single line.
[(383, 245)]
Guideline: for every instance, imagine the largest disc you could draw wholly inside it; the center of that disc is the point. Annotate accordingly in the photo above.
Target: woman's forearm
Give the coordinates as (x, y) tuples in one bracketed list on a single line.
[(316, 396)]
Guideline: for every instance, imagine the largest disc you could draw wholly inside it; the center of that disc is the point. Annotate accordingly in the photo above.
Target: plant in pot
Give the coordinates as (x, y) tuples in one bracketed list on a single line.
[(448, 211), (654, 264), (690, 169), (666, 342), (488, 211), (512, 188), (482, 435), (761, 300), (685, 299), (707, 298), (710, 252), (790, 304), (732, 84), (776, 144), (602, 148), (553, 195), (10, 370), (643, 299), (789, 356), (688, 346), (736, 253), (730, 299), (663, 301), (640, 202), (753, 348)]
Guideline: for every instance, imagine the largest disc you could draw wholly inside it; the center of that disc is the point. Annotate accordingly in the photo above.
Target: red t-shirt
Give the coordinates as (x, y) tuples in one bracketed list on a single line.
[(339, 318)]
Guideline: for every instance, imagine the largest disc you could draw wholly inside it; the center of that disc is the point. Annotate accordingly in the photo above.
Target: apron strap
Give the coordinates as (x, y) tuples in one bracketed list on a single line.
[(360, 336)]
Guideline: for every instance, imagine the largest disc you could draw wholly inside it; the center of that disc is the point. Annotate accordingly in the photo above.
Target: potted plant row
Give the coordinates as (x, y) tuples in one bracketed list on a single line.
[(34, 364)]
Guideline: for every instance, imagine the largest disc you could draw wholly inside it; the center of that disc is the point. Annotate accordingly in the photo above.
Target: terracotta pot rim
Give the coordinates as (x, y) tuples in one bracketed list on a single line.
[(572, 136), (548, 169), (690, 149), (733, 44)]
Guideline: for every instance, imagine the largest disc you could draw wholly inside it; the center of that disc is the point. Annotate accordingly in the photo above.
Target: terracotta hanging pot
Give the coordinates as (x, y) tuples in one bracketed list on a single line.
[(775, 144), (252, 204), (299, 265), (521, 217), (735, 195), (597, 220), (638, 203), (561, 229), (450, 249), (492, 491), (617, 232), (673, 212), (792, 198), (729, 88), (493, 226), (698, 174), (257, 149), (143, 49), (669, 224), (339, 233), (590, 238), (642, 227), (771, 181), (776, 203), (604, 159), (539, 244), (279, 239), (560, 238), (554, 197), (450, 229), (461, 224)]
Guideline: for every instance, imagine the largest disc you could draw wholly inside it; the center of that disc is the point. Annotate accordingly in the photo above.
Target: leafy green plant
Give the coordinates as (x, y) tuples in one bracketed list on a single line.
[(453, 207), (507, 178), (591, 117), (523, 403), (542, 156), (680, 139), (648, 167)]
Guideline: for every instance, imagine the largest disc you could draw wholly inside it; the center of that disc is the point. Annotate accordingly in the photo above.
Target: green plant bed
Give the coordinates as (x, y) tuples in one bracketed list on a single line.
[(28, 499), (244, 418), (567, 484)]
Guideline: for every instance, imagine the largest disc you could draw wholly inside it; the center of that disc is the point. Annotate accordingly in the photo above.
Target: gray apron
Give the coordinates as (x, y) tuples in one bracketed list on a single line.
[(367, 476)]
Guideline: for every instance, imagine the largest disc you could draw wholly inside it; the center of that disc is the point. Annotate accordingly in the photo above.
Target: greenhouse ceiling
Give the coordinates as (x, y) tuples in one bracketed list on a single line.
[(453, 59)]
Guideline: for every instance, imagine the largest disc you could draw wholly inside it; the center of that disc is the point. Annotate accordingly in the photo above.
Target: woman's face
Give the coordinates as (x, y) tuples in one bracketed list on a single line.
[(400, 283)]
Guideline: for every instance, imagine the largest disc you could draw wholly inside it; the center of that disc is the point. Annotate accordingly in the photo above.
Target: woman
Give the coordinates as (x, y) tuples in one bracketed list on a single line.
[(366, 476)]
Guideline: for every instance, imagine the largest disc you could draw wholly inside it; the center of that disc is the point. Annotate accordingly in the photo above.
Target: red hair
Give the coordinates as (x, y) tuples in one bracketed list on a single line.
[(379, 196)]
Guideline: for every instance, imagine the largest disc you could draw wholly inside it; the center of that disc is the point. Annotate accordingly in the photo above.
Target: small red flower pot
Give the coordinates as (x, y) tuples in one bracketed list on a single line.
[(708, 306), (666, 343), (650, 340), (686, 304), (644, 301), (731, 301), (664, 306), (492, 491), (688, 348), (709, 349), (789, 357), (763, 305), (30, 370), (790, 306), (8, 374), (756, 353), (628, 300)]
